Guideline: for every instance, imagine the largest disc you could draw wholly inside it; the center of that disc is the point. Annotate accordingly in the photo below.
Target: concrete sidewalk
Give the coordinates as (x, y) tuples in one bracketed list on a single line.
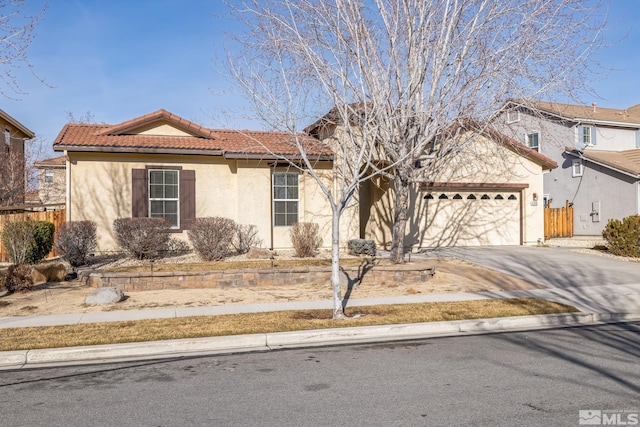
[(598, 304)]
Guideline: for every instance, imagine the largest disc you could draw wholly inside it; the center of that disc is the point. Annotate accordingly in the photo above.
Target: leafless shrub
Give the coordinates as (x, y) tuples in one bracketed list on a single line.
[(211, 237), (17, 238), (246, 238), (18, 278), (75, 240), (305, 239), (141, 237)]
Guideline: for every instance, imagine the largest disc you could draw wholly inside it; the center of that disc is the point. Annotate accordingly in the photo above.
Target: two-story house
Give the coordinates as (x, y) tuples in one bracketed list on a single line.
[(598, 153), (12, 160), (52, 181)]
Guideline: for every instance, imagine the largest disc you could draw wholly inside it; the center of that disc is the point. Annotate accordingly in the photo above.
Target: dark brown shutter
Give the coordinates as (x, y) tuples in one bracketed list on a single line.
[(139, 193), (187, 198)]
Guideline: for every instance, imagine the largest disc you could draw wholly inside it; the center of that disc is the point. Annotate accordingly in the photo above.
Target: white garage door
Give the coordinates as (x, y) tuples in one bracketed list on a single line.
[(471, 218)]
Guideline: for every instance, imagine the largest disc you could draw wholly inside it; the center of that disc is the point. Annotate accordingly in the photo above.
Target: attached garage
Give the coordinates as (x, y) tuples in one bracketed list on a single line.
[(468, 214), (487, 193)]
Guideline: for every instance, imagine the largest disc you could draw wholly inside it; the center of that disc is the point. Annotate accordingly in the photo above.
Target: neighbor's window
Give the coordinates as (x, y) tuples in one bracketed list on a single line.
[(285, 198), (164, 195), (587, 135), (576, 168), (513, 116), (533, 141), (48, 176)]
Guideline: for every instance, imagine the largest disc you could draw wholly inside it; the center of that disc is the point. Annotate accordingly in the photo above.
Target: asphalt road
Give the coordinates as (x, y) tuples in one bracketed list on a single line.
[(510, 379)]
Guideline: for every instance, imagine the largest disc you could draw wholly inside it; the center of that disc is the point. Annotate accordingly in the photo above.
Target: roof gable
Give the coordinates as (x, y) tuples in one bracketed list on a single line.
[(160, 123), (501, 139), (162, 132)]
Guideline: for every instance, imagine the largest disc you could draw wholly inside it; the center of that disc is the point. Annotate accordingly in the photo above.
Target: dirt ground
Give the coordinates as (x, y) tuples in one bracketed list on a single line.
[(452, 276)]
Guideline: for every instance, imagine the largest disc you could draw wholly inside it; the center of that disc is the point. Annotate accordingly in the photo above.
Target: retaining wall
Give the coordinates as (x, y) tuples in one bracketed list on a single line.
[(401, 274)]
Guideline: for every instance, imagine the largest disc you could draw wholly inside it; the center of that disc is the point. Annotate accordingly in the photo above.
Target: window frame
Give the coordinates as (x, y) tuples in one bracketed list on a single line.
[(48, 176), (510, 118), (577, 173), (526, 140), (176, 199), (287, 200)]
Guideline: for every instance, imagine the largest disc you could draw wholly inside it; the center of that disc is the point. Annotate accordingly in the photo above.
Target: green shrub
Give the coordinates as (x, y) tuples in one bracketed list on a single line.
[(141, 237), (75, 240), (362, 247), (623, 237), (305, 239), (212, 237), (43, 235)]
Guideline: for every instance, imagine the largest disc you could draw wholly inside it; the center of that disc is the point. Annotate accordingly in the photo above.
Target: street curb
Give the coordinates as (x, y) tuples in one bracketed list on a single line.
[(298, 339)]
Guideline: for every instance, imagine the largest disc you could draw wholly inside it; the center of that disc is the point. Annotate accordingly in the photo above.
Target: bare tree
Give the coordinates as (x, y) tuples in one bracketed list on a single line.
[(17, 31), (414, 67)]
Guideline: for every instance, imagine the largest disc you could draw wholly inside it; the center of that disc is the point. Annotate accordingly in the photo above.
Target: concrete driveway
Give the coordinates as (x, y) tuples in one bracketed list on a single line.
[(590, 282)]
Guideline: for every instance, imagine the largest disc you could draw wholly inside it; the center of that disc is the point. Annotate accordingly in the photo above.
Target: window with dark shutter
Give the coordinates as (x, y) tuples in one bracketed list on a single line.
[(162, 190), (187, 198), (139, 193)]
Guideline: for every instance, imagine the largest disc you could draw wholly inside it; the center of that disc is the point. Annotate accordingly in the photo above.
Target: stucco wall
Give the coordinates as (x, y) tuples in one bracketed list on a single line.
[(468, 222), (241, 190)]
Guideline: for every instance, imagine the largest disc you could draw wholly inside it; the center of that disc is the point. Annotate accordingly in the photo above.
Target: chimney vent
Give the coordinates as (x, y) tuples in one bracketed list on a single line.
[(593, 104)]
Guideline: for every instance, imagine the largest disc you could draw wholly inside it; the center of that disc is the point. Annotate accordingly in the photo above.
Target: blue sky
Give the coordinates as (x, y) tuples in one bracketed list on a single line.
[(120, 59)]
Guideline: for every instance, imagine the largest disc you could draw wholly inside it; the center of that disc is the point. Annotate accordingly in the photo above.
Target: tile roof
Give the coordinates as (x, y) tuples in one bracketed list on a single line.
[(114, 138), (627, 161), (54, 161), (591, 113)]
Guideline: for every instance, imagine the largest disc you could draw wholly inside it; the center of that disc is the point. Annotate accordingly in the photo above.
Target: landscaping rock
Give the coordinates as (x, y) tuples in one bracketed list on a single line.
[(259, 253), (104, 296)]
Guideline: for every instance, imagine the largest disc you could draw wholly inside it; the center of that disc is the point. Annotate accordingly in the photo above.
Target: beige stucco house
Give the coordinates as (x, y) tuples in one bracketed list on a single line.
[(12, 160), (52, 181), (163, 165), (488, 193)]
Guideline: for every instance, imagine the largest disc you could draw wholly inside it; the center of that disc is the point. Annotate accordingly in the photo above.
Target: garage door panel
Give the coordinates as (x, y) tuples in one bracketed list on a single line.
[(493, 220)]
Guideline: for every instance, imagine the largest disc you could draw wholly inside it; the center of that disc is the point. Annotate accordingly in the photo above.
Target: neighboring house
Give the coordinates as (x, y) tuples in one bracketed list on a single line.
[(489, 193), (598, 150), (12, 160), (52, 180), (161, 165)]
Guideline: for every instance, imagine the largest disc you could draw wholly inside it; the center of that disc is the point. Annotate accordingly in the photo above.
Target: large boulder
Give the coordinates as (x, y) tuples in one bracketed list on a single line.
[(104, 296)]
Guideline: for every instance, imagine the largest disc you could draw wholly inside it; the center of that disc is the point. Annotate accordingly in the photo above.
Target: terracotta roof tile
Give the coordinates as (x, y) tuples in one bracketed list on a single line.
[(99, 137), (54, 161)]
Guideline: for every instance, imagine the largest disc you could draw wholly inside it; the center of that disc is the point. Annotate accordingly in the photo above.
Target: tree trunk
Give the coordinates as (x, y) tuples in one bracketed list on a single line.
[(338, 311), (401, 187)]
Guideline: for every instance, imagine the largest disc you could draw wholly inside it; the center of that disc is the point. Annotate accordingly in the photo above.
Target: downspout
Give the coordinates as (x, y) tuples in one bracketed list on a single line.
[(522, 201), (67, 178), (271, 222)]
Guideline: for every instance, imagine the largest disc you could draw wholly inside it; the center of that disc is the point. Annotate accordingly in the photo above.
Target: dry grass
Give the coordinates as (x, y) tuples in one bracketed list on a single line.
[(251, 323), (230, 265)]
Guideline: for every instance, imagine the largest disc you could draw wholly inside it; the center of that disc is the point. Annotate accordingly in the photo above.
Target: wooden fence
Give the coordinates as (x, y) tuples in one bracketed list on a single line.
[(56, 217), (558, 222)]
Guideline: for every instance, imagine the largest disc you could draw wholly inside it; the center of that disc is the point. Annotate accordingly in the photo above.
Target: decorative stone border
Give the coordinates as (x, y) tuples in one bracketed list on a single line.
[(400, 274)]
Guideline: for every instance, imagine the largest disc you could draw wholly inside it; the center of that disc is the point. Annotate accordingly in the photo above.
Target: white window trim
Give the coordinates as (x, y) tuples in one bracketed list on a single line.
[(274, 200), (48, 176), (177, 199), (526, 139), (580, 171), (511, 119)]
